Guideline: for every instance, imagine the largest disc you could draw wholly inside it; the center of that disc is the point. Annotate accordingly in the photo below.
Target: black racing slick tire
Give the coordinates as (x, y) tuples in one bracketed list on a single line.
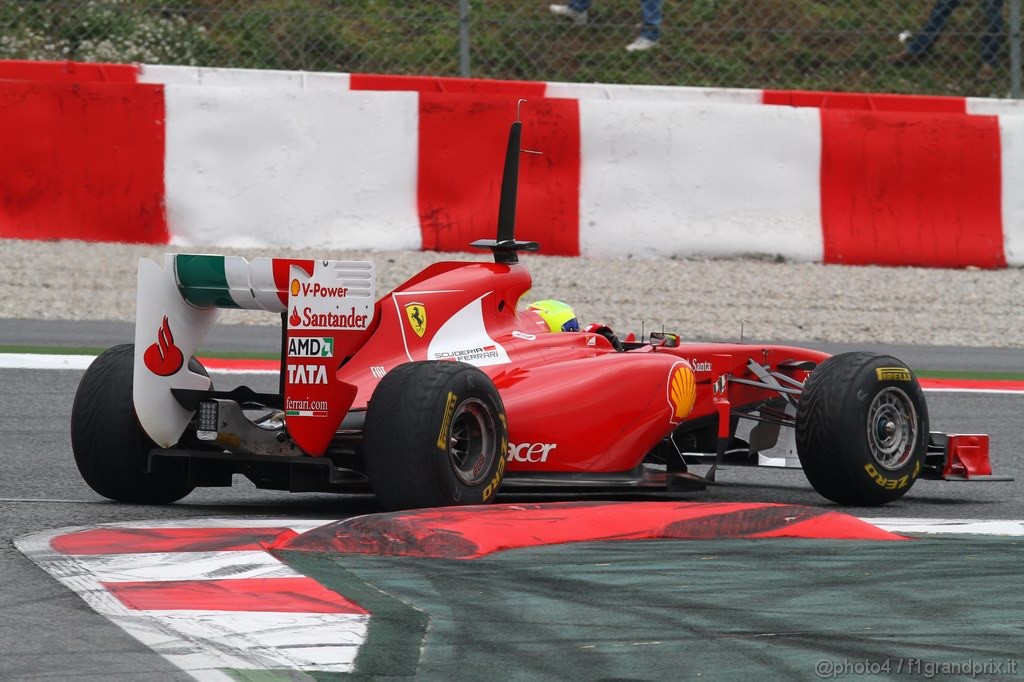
[(435, 436), (110, 448), (862, 429)]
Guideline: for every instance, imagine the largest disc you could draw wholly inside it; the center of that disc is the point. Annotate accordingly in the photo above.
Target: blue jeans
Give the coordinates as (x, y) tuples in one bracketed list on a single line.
[(937, 20), (651, 10)]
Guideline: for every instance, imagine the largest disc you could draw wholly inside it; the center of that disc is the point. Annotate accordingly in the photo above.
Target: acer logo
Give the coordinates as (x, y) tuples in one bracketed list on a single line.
[(534, 453), (163, 358), (307, 374)]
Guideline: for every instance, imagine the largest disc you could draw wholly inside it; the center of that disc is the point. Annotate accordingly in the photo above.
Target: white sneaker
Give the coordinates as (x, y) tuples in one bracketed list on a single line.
[(641, 44), (579, 18)]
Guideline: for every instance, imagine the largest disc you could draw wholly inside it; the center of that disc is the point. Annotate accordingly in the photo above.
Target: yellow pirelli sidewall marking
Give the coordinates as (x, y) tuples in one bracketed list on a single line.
[(504, 437), (891, 483), (449, 410), (682, 392), (492, 487), (892, 374)]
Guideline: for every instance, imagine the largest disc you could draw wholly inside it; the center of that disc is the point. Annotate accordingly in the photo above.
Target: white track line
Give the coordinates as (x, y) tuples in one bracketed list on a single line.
[(945, 526), (81, 362)]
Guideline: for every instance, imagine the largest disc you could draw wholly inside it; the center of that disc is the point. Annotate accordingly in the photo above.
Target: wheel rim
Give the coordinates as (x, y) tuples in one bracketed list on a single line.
[(892, 428), (471, 446)]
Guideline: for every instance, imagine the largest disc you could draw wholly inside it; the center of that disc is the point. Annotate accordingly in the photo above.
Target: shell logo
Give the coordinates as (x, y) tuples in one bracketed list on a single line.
[(295, 287), (682, 392)]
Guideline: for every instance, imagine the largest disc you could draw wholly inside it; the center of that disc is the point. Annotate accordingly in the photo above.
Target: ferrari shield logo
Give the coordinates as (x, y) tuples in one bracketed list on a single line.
[(417, 315)]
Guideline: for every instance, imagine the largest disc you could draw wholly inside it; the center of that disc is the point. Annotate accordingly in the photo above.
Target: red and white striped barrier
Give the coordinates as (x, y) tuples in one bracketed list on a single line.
[(207, 595), (229, 157)]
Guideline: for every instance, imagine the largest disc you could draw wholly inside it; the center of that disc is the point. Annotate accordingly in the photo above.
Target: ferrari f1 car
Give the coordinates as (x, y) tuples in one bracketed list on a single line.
[(445, 391)]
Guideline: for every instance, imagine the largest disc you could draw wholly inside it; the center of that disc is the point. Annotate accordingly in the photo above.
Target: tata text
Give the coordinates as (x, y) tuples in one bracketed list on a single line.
[(307, 374)]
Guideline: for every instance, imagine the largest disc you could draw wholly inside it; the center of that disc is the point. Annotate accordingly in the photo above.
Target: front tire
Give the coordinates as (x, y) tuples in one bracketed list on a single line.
[(110, 448), (435, 436), (862, 429)]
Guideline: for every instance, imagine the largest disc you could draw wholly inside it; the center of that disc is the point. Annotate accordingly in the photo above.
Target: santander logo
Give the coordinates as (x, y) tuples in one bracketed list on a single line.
[(163, 358)]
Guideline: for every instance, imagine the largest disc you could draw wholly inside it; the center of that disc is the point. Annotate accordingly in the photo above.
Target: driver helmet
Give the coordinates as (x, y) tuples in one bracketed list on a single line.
[(558, 316)]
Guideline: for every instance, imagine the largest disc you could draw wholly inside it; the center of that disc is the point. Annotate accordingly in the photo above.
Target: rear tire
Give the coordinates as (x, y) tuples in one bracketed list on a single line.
[(862, 429), (435, 436), (110, 448)]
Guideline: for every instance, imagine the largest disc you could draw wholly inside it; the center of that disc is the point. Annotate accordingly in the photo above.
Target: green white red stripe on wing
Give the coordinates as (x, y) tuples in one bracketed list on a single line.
[(210, 281), (233, 282)]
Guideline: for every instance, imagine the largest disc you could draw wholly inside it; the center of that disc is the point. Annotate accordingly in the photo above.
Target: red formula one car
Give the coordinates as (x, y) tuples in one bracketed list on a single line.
[(446, 390)]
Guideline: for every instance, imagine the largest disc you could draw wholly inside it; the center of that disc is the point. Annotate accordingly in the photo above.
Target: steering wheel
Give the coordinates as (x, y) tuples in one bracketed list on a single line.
[(606, 331)]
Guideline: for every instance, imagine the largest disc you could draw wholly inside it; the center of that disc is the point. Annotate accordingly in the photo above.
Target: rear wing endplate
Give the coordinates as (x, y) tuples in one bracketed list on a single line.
[(329, 307)]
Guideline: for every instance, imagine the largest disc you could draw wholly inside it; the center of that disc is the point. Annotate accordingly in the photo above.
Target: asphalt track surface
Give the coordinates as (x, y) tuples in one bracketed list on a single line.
[(722, 609), (49, 633)]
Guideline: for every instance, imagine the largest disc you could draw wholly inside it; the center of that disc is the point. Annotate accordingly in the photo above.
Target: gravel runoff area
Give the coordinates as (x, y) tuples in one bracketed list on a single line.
[(699, 299)]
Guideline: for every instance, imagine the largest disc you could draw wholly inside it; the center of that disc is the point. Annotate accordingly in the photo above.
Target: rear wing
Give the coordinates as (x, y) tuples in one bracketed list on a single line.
[(327, 307)]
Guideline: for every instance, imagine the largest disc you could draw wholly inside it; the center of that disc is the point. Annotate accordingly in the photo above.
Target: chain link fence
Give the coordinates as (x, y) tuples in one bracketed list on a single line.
[(786, 44)]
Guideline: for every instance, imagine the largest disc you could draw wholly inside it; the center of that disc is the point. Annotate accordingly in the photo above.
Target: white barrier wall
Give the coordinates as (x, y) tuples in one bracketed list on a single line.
[(1011, 135), (249, 78), (264, 166), (713, 180)]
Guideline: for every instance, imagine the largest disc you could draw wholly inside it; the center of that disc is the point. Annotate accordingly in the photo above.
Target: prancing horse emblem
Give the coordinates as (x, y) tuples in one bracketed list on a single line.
[(417, 317)]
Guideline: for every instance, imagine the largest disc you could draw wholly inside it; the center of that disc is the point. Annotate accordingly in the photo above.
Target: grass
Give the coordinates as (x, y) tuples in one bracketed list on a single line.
[(783, 44)]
